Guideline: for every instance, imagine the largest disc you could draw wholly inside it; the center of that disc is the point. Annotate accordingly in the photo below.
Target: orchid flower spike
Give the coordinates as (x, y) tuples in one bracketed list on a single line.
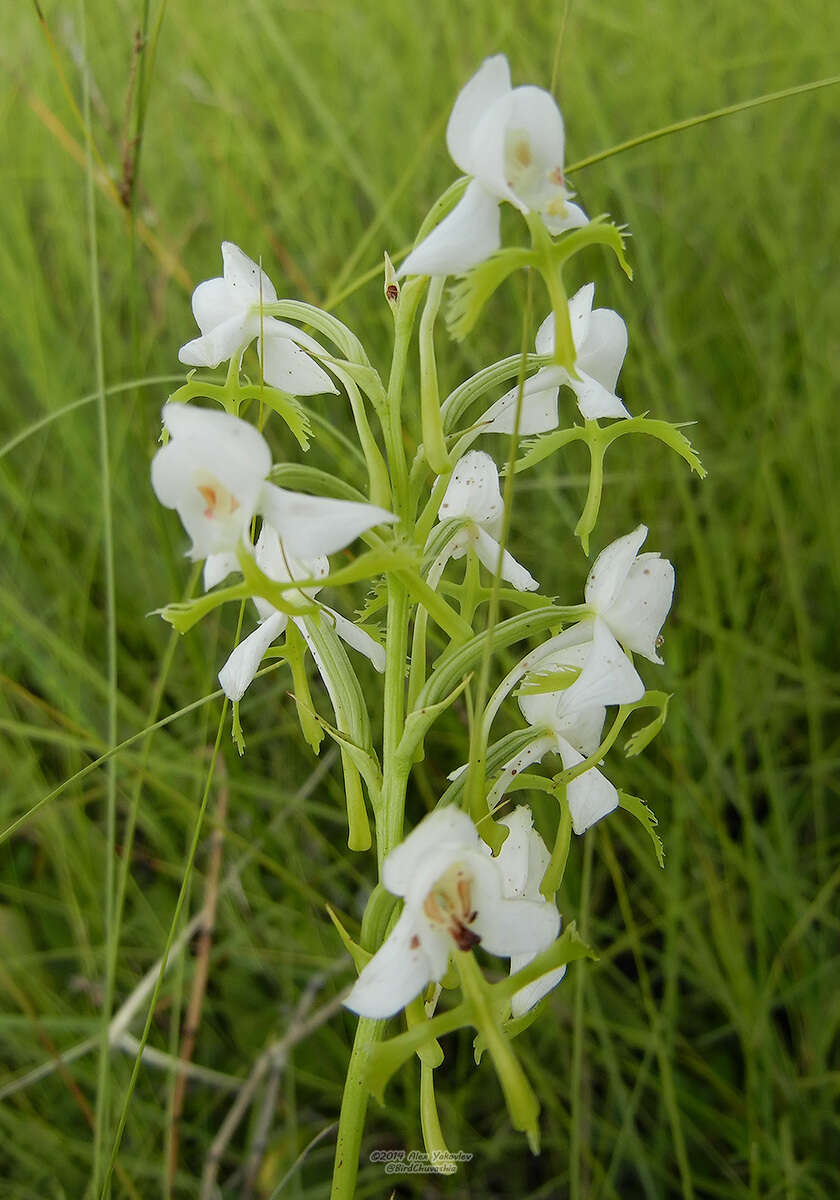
[(632, 592), (227, 311), (238, 672), (512, 142), (453, 896), (473, 492), (590, 671), (524, 861), (213, 472), (600, 340)]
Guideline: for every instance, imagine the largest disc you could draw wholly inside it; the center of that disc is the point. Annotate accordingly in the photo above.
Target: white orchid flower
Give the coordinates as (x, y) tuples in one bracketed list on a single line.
[(453, 895), (213, 472), (238, 672), (600, 341), (227, 311), (524, 861), (473, 492), (512, 142), (573, 717), (632, 592)]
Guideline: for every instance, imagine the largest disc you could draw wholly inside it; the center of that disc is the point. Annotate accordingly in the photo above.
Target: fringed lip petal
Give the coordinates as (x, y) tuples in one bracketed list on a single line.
[(465, 237)]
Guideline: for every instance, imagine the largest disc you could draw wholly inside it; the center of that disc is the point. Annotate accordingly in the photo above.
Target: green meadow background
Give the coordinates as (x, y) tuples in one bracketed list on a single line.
[(699, 1056)]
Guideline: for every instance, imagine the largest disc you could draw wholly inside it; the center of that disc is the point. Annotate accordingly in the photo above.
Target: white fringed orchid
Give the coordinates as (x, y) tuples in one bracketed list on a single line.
[(600, 341), (524, 860), (454, 895), (632, 592), (227, 311), (596, 673), (512, 142), (239, 670), (473, 492), (213, 472)]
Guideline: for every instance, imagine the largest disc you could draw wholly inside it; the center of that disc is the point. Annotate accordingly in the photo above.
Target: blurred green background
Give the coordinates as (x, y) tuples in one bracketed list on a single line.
[(699, 1056)]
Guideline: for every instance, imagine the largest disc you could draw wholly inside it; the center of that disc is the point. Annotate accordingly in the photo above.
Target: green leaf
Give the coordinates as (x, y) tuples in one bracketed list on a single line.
[(646, 819)]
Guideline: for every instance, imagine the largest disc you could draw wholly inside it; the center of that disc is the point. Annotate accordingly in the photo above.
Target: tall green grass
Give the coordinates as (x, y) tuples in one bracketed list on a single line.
[(699, 1056)]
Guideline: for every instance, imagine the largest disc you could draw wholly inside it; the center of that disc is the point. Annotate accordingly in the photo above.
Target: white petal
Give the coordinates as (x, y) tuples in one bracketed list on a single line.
[(544, 342), (523, 858), (287, 367), (239, 670), (398, 971), (445, 827), (213, 303), (594, 400), (313, 525), (214, 450), (221, 343), (526, 117), (591, 796), (302, 339), (248, 283), (610, 570), (608, 676), (538, 411), (580, 314), (217, 567), (464, 238), (534, 752), (513, 572), (639, 613), (358, 639), (276, 561), (603, 350), (573, 218), (583, 727), (490, 82), (473, 491), (525, 999), (505, 926)]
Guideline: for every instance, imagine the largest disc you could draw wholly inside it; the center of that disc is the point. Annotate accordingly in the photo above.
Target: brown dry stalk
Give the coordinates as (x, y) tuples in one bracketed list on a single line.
[(204, 942)]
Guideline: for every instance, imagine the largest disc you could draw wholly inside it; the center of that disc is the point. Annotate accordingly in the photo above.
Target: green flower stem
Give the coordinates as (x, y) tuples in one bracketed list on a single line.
[(433, 1139), (586, 523), (295, 652), (435, 605), (395, 769), (522, 1104), (551, 271), (560, 854), (434, 444), (379, 487), (354, 1102), (403, 328)]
